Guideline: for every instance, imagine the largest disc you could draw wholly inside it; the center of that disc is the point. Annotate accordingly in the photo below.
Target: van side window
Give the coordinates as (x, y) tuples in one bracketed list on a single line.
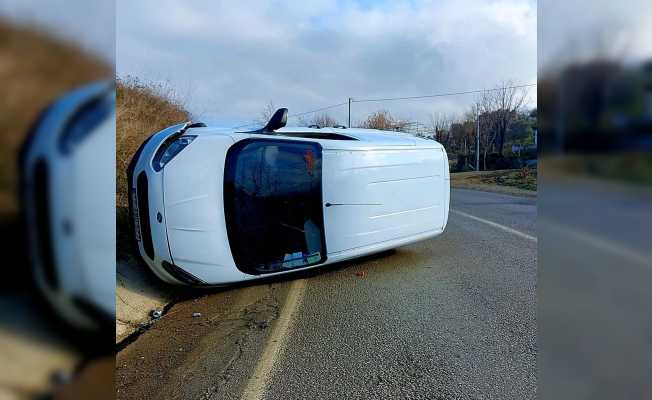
[(273, 205)]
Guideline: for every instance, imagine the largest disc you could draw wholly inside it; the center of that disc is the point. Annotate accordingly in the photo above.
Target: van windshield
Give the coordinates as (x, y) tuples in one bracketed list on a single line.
[(273, 205)]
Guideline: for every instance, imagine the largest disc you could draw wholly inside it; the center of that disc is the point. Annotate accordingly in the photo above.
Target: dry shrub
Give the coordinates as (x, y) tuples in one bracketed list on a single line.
[(383, 120), (142, 108), (35, 68)]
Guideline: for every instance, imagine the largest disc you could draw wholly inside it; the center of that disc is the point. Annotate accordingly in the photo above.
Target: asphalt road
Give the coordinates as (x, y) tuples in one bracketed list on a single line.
[(595, 269), (451, 317)]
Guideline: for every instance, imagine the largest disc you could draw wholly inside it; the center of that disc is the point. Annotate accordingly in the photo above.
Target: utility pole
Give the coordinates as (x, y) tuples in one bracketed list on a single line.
[(477, 141), (350, 112)]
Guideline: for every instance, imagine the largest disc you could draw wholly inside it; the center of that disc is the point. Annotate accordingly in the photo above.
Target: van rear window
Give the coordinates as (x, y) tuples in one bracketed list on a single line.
[(273, 205)]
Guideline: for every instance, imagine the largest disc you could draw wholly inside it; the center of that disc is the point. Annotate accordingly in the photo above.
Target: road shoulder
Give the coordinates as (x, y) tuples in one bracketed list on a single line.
[(211, 343), (137, 293)]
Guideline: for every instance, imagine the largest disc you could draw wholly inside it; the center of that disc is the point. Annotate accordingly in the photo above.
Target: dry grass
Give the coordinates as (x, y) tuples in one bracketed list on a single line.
[(141, 109), (35, 68), (632, 167), (524, 178), (510, 181)]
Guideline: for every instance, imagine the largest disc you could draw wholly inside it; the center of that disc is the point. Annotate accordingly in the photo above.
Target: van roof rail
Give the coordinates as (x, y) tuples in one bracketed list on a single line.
[(314, 126)]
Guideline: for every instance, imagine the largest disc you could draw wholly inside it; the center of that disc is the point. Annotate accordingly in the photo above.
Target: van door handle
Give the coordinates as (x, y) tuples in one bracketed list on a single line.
[(352, 204)]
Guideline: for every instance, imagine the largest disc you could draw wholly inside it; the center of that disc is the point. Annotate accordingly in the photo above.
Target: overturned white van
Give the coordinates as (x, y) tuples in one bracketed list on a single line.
[(213, 206)]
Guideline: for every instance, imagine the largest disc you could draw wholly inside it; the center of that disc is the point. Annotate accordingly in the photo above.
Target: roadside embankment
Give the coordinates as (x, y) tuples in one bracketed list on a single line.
[(141, 109)]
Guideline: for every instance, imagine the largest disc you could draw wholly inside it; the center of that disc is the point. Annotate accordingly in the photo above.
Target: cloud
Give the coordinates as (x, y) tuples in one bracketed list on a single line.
[(229, 59), (576, 31), (90, 24)]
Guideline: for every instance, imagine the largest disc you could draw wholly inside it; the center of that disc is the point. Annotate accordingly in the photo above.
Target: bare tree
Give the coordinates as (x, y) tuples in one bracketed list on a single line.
[(267, 112), (480, 114), (322, 120), (440, 125), (499, 108), (462, 135)]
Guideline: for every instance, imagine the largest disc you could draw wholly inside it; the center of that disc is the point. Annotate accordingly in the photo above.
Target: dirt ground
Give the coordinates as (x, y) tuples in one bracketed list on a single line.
[(201, 349)]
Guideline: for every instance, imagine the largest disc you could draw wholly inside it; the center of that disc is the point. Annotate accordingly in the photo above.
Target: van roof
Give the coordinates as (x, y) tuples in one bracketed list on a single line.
[(360, 137)]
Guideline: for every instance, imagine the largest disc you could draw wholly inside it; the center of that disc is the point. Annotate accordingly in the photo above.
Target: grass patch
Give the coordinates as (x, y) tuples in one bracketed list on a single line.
[(523, 179), (632, 167)]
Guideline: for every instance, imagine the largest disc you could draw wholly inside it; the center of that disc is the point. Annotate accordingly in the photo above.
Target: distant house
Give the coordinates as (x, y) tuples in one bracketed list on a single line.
[(518, 148)]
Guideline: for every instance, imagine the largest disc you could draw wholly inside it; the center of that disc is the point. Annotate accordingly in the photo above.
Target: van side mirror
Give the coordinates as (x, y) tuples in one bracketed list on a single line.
[(278, 120)]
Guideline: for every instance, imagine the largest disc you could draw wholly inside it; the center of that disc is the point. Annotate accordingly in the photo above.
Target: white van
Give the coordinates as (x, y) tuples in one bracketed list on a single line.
[(213, 206), (67, 190)]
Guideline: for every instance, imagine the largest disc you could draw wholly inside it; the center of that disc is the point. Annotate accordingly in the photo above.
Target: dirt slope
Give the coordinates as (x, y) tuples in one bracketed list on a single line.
[(35, 68)]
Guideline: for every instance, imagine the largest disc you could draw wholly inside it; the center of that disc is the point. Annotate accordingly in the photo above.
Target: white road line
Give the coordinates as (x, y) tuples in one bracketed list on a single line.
[(599, 243), (495, 225), (257, 384)]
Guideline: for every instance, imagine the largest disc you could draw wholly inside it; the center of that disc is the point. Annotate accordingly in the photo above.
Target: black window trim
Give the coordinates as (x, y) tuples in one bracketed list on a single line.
[(318, 135)]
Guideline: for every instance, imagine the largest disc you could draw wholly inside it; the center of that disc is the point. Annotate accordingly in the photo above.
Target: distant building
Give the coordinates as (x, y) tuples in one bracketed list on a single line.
[(518, 148)]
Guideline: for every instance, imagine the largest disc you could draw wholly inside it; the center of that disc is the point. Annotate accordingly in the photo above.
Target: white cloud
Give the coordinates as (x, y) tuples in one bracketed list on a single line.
[(90, 24), (581, 30), (237, 56)]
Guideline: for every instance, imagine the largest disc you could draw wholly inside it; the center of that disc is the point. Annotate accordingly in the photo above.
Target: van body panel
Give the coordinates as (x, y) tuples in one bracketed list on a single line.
[(380, 195), (194, 212)]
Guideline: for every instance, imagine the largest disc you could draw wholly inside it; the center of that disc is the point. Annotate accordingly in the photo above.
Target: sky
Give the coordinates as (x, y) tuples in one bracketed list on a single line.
[(581, 30), (90, 24), (226, 60)]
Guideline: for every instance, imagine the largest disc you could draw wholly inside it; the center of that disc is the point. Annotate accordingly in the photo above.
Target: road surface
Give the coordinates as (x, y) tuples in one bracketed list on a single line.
[(450, 317), (595, 269)]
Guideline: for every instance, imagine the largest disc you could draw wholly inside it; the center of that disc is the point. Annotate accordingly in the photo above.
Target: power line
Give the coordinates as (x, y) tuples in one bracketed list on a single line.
[(296, 115), (351, 100), (319, 109), (443, 94)]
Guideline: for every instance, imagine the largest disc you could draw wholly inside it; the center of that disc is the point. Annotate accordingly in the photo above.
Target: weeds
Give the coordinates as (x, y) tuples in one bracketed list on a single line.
[(142, 108), (35, 69)]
